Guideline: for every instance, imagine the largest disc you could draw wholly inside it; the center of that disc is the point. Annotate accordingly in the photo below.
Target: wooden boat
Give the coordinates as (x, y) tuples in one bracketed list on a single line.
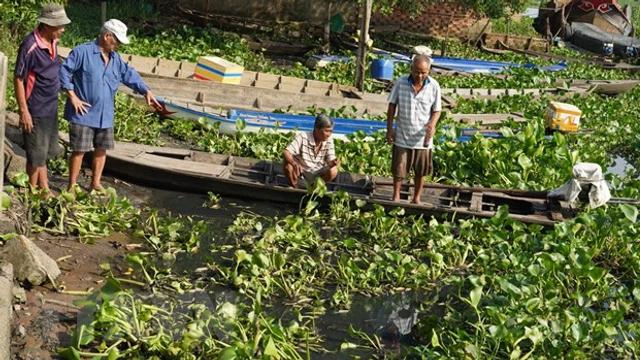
[(592, 38), (164, 68), (268, 92), (606, 16), (493, 40), (500, 48), (277, 47), (200, 172), (472, 66), (256, 121), (248, 97), (606, 87)]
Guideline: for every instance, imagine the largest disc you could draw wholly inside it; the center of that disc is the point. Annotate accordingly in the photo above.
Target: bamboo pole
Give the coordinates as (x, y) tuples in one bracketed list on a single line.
[(362, 48), (103, 12)]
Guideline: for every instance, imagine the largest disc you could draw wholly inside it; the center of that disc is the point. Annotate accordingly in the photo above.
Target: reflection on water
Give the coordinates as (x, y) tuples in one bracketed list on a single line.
[(619, 167), (390, 317)]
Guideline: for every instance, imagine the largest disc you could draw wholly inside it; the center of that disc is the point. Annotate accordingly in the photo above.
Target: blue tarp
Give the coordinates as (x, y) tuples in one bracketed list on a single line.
[(343, 126), (305, 122)]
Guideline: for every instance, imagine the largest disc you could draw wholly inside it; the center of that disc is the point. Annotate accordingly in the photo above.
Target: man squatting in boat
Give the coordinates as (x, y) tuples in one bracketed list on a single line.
[(417, 99), (91, 76), (312, 154)]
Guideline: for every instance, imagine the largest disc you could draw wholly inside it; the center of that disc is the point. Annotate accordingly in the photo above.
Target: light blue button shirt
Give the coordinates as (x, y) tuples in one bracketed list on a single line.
[(85, 73)]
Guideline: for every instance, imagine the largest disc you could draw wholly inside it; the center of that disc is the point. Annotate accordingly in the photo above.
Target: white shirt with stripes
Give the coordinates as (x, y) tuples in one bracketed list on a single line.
[(302, 148), (414, 111)]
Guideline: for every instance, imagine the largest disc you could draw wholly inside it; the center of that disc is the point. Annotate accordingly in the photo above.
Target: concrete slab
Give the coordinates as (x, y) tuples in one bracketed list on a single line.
[(6, 312)]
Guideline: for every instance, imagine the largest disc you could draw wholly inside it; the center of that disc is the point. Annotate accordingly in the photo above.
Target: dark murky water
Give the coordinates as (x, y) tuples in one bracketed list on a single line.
[(389, 317)]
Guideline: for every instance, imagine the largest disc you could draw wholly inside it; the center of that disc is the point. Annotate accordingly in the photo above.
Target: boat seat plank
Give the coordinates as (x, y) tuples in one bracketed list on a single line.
[(192, 167), (157, 150), (476, 202), (290, 88), (265, 84), (316, 91)]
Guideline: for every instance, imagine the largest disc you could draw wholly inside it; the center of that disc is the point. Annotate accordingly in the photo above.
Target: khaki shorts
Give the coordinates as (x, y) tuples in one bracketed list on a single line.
[(403, 160)]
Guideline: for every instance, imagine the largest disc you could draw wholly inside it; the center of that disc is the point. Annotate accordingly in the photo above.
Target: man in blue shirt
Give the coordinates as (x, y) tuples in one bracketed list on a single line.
[(91, 76)]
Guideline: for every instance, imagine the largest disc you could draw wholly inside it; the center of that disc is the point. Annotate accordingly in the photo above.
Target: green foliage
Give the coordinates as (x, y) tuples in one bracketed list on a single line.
[(134, 123), (491, 8), (19, 16), (524, 159), (506, 25), (491, 288), (545, 294), (122, 325), (76, 213)]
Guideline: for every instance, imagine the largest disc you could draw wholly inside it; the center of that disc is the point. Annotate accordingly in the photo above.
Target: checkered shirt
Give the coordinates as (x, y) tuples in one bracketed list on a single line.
[(414, 111), (303, 149)]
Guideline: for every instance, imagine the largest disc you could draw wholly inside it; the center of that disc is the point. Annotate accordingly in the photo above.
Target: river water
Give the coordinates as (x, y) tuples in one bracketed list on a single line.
[(390, 317)]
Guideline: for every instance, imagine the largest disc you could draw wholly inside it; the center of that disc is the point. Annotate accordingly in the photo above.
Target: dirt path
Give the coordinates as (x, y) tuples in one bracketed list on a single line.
[(40, 326)]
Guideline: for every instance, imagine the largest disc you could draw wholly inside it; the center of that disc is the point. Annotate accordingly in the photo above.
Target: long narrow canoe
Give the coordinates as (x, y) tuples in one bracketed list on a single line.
[(201, 172), (253, 98), (499, 47), (268, 92), (255, 121)]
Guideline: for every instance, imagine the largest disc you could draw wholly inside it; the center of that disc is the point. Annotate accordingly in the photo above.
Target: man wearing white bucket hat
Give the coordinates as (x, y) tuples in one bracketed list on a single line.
[(37, 85), (91, 76)]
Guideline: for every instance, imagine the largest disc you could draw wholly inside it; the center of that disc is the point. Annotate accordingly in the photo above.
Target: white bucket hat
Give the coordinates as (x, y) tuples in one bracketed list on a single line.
[(53, 15), (118, 28)]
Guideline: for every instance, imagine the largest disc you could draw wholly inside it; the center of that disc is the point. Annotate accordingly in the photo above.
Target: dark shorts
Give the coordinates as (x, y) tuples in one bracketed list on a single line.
[(403, 160), (41, 143), (84, 138)]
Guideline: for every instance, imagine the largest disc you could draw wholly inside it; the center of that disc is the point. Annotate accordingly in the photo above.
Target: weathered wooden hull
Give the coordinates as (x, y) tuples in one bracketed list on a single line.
[(200, 172), (501, 48), (248, 97), (494, 40), (268, 92)]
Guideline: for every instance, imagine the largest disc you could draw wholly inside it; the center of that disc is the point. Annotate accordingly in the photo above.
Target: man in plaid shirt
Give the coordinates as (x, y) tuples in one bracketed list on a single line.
[(417, 102)]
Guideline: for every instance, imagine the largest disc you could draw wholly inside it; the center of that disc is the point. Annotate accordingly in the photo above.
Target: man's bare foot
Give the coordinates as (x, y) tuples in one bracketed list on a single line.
[(395, 198), (97, 188), (416, 201), (46, 194)]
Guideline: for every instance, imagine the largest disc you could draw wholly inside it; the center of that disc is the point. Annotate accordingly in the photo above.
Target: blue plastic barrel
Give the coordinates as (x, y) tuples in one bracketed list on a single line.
[(382, 69)]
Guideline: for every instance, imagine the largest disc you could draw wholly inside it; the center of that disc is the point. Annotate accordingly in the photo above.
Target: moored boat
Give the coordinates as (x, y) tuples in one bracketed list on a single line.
[(255, 121), (201, 172)]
